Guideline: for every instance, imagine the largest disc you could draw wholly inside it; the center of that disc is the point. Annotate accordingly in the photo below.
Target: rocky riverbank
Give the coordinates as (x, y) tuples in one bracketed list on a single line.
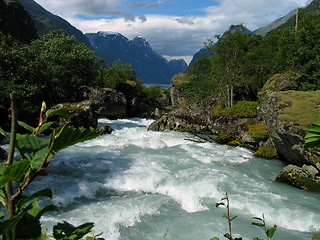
[(276, 128)]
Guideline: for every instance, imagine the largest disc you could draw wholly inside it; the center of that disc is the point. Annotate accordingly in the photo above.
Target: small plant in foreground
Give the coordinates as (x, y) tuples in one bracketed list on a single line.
[(260, 222), (225, 202)]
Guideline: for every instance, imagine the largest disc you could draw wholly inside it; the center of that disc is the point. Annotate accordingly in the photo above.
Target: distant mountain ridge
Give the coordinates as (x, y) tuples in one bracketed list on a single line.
[(149, 65)]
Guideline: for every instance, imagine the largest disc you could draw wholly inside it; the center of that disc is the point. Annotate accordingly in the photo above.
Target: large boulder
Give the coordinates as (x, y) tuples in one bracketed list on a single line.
[(306, 178), (81, 114), (108, 103), (287, 113), (193, 118)]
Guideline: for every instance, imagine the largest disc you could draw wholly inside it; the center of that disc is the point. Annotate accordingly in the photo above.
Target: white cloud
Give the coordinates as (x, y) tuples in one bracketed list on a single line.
[(172, 35)]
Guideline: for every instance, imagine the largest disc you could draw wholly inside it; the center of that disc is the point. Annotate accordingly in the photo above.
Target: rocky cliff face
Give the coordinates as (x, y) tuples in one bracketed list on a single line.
[(287, 114)]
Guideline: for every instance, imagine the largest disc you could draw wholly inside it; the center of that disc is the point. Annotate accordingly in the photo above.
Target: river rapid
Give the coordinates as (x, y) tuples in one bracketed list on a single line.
[(137, 184)]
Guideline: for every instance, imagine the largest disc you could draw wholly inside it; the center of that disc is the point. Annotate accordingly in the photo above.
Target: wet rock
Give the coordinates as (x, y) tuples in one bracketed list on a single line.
[(103, 130), (303, 178)]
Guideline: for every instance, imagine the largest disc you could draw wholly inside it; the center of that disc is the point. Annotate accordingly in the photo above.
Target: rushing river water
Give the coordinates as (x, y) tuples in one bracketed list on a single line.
[(135, 184)]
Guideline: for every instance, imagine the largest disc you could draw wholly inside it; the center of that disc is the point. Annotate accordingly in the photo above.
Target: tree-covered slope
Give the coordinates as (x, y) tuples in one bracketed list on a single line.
[(14, 20), (46, 21)]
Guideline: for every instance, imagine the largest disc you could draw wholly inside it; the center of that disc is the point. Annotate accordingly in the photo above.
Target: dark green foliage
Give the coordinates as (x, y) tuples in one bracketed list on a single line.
[(118, 74), (52, 69), (66, 231)]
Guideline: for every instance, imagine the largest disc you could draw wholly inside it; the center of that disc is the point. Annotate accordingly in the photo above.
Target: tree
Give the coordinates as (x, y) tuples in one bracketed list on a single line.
[(229, 59), (118, 74), (306, 58)]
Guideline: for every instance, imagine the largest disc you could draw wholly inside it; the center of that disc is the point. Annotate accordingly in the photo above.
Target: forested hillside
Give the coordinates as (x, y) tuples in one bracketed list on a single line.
[(240, 63)]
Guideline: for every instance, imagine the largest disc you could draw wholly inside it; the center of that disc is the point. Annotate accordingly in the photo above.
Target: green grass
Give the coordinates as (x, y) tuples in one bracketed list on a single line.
[(300, 108), (242, 109)]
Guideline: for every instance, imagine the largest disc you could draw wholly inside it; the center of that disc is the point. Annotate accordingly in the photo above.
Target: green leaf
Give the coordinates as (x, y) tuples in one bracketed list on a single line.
[(45, 127), (4, 133), (57, 112), (233, 218), (271, 231), (9, 224), (257, 218), (219, 204), (28, 145), (29, 227), (15, 172), (26, 126), (25, 199), (38, 212), (68, 136), (258, 224), (2, 167), (227, 235), (312, 138), (67, 231), (215, 238)]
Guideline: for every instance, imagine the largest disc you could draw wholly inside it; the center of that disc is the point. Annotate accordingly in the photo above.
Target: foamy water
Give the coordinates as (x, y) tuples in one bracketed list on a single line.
[(135, 184)]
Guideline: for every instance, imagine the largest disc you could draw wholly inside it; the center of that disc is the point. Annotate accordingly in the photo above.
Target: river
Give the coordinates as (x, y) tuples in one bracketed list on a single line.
[(139, 185)]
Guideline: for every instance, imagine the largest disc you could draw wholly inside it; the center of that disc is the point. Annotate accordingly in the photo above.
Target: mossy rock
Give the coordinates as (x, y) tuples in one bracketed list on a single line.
[(242, 109), (299, 178), (223, 138), (103, 130), (316, 236), (264, 152)]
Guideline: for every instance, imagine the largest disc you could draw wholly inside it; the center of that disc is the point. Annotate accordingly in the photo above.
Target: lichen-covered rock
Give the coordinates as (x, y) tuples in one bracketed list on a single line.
[(81, 114), (287, 114), (305, 178), (103, 130), (109, 103)]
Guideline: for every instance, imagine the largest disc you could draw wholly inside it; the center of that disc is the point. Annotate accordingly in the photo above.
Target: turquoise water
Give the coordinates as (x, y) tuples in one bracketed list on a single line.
[(135, 184)]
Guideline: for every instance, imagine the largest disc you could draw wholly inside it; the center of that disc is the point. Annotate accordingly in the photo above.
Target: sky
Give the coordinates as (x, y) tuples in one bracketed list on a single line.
[(174, 28)]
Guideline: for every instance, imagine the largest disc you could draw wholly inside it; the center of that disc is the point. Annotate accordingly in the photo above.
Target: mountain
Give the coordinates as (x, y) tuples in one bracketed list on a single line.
[(16, 21), (275, 24), (149, 65), (45, 22)]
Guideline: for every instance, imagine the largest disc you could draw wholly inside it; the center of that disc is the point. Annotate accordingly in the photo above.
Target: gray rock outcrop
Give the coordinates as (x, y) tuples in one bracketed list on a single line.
[(287, 114)]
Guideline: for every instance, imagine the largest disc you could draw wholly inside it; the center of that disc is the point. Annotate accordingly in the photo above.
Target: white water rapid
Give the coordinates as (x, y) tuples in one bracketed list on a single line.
[(140, 185)]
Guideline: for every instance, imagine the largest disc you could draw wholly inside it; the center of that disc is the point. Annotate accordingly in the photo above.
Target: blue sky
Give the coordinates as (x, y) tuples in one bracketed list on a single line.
[(174, 28)]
